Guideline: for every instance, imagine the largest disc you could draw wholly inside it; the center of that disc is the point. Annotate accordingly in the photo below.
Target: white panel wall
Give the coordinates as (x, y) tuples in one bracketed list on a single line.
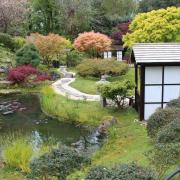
[(171, 92), (119, 55), (153, 75), (150, 109), (172, 75), (153, 94)]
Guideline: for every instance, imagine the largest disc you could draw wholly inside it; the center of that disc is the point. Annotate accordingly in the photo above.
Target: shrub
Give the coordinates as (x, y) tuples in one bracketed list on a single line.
[(96, 68), (20, 74), (123, 171), (161, 118), (174, 103), (117, 91), (7, 41), (163, 156), (169, 133), (19, 42), (17, 155), (28, 55), (58, 163), (74, 58), (99, 173), (42, 77)]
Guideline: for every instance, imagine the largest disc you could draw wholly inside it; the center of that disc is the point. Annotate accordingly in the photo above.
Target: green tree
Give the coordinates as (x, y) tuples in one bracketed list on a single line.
[(156, 26), (43, 16), (28, 55), (117, 91), (148, 5)]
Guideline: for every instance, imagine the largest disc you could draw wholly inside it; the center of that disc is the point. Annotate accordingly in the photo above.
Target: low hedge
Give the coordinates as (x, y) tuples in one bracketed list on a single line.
[(98, 67), (123, 171), (161, 118), (169, 133)]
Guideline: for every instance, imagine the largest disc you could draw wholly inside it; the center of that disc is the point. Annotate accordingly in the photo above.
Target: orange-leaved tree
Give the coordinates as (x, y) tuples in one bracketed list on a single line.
[(51, 47), (92, 43)]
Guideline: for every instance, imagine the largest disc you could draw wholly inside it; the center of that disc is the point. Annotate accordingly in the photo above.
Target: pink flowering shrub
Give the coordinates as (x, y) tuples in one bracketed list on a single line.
[(42, 77)]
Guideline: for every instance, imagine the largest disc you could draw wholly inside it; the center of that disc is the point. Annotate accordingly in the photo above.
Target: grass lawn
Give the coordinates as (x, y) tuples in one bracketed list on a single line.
[(88, 84), (127, 141)]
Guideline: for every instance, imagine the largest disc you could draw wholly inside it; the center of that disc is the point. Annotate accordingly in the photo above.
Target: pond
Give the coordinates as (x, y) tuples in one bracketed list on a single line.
[(28, 121)]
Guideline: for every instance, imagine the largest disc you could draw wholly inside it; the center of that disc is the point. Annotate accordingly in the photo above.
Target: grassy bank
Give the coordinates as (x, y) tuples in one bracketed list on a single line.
[(127, 141)]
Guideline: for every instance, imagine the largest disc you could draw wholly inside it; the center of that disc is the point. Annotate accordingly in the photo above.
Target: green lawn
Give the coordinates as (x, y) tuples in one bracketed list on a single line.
[(88, 84)]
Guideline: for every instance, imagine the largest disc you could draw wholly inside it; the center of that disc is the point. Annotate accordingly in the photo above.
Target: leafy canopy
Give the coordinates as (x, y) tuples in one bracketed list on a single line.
[(156, 26), (92, 42), (51, 47)]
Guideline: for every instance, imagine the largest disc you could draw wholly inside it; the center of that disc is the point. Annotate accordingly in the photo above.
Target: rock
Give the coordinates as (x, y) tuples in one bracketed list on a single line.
[(22, 109), (8, 112), (108, 121)]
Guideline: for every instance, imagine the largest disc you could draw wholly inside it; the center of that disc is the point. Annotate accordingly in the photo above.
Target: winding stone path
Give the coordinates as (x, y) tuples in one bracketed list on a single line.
[(63, 87)]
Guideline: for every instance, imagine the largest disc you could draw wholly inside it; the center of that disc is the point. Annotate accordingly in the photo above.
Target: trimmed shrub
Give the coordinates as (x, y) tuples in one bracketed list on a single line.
[(169, 133), (17, 155), (163, 156), (98, 67), (123, 171), (161, 118), (7, 41), (99, 173), (28, 55), (58, 163), (174, 103), (117, 91)]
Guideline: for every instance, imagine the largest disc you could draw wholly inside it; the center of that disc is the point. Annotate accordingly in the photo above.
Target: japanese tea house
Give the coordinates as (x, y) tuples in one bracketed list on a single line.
[(157, 76)]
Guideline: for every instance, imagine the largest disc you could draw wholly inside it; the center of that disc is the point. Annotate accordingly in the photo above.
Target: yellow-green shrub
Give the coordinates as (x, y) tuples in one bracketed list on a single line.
[(17, 155)]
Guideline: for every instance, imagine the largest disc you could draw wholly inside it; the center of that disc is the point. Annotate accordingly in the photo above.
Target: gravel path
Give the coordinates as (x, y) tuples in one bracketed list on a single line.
[(63, 87)]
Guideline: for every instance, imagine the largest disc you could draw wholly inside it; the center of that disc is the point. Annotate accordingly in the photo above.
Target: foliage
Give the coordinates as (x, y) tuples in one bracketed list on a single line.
[(98, 173), (51, 47), (155, 26), (6, 57), (162, 156), (92, 43), (28, 55), (12, 14), (161, 118), (148, 5), (42, 77), (122, 29), (19, 42), (169, 133), (119, 8), (17, 155), (7, 41), (20, 74), (98, 67), (117, 91), (58, 163), (174, 103), (74, 58), (122, 171)]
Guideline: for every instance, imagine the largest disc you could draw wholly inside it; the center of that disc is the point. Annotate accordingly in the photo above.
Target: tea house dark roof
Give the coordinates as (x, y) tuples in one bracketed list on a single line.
[(156, 53)]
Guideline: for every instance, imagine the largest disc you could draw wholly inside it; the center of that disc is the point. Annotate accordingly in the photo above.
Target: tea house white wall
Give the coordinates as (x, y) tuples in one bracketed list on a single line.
[(157, 70)]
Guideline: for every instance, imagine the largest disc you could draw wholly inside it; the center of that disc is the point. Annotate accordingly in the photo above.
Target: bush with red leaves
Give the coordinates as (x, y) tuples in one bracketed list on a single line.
[(122, 29), (42, 77), (20, 73)]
